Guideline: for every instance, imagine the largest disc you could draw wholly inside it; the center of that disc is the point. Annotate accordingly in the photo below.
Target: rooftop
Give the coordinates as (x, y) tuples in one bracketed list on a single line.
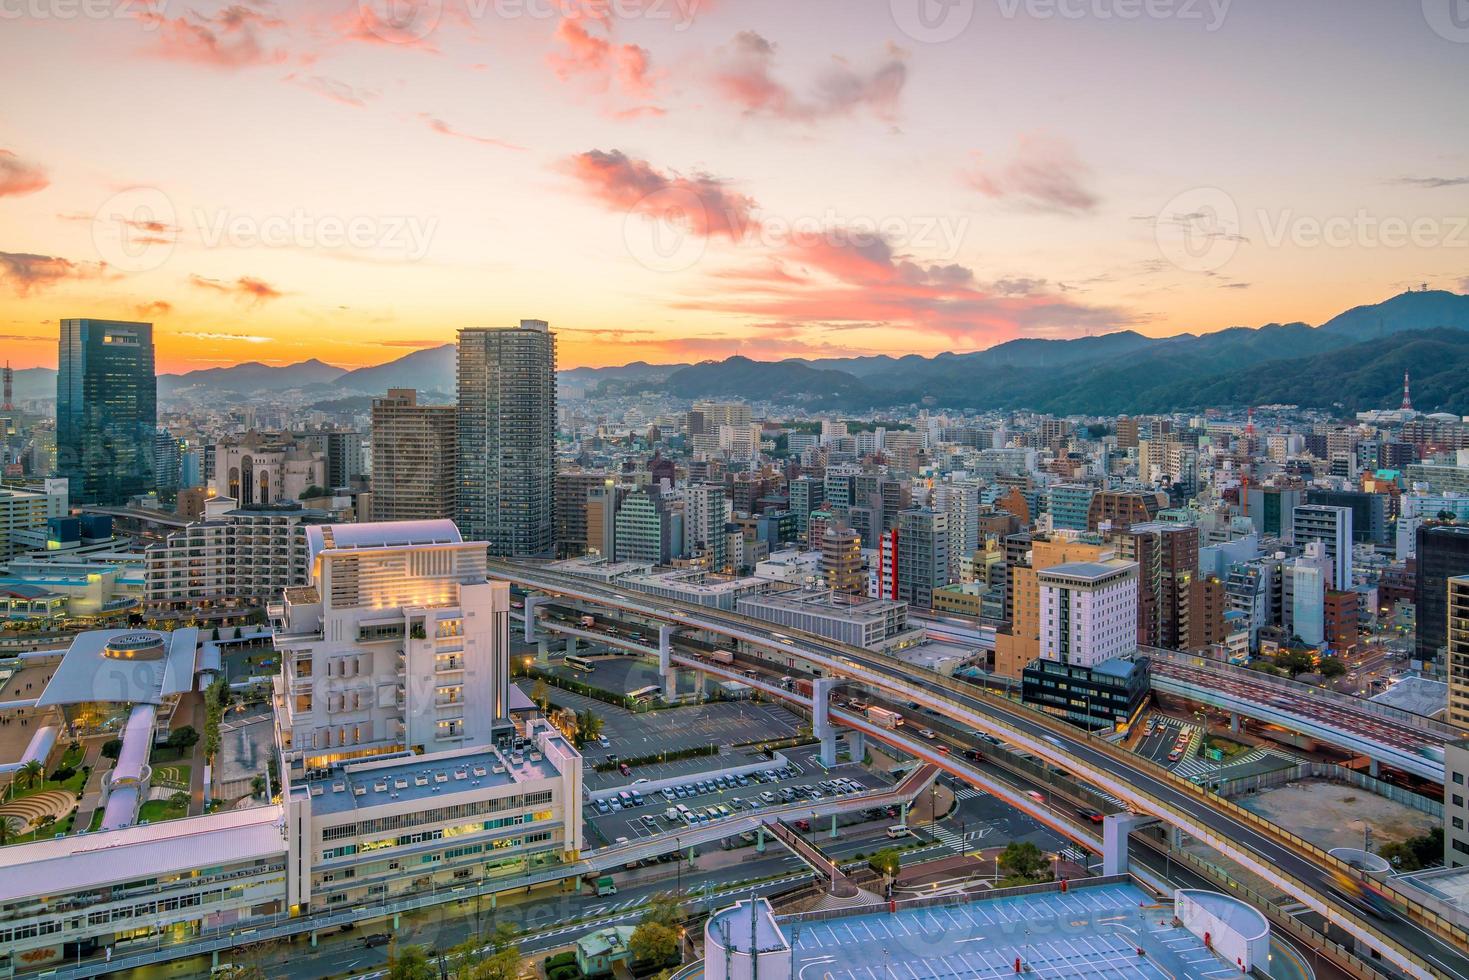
[(123, 666), (1419, 695), (381, 534), (1091, 571), (417, 778)]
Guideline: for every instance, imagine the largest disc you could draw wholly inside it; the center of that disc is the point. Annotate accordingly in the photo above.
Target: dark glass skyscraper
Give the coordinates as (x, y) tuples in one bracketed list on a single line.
[(507, 438), (1443, 552), (106, 410)]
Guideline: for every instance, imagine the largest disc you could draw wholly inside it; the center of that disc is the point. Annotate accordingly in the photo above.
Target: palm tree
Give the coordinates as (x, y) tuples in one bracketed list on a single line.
[(588, 727), (31, 772)]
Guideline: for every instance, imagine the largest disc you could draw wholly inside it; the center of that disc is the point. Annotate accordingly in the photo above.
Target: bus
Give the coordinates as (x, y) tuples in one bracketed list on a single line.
[(645, 694), (578, 663)]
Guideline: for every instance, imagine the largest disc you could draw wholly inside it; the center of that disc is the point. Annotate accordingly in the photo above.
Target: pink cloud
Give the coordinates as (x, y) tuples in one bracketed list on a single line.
[(701, 203), (1044, 172), (248, 289), (396, 23), (588, 52), (336, 90), (444, 129), (746, 78), (26, 273), (235, 37), (18, 178)]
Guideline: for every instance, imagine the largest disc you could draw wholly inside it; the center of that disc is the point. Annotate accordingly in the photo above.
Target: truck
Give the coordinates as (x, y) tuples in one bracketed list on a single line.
[(605, 886), (803, 687), (884, 717), (720, 656), (589, 621)]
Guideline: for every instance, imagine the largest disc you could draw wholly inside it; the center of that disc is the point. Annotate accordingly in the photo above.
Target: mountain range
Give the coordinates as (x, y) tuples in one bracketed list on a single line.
[(1344, 363)]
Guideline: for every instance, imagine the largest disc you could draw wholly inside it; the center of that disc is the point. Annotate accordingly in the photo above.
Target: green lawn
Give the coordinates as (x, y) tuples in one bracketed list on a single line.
[(1227, 746), (73, 785), (173, 774), (155, 810)]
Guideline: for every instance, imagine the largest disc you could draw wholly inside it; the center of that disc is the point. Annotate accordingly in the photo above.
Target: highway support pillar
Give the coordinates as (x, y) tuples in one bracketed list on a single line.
[(313, 938), (760, 839), (1374, 768), (903, 814), (543, 653), (1234, 724), (857, 746), (531, 602), (833, 834), (666, 669), (821, 725), (1115, 830)]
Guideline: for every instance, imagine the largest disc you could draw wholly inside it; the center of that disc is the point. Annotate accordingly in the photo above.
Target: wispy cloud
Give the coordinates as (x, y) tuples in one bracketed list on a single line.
[(246, 288), (19, 177), (237, 36), (1431, 182), (1043, 172), (702, 204), (335, 89), (444, 129), (745, 77), (158, 307), (245, 338)]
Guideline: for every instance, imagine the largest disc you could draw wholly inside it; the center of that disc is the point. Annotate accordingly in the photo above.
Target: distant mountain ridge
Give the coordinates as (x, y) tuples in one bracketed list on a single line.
[(1353, 361)]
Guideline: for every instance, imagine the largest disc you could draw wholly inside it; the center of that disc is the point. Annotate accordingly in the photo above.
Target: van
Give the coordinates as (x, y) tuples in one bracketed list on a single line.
[(671, 814), (606, 887), (898, 830)]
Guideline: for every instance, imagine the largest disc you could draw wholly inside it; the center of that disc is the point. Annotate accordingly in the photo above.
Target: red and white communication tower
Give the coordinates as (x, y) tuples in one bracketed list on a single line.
[(9, 384)]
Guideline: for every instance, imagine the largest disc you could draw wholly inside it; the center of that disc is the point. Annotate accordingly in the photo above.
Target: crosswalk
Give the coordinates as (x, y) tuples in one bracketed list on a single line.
[(1195, 766), (955, 841), (968, 793)]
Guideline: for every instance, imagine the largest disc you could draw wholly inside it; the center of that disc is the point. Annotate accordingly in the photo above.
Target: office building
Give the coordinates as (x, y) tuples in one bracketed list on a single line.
[(872, 624), (572, 490), (1369, 513), (1124, 508), (167, 461), (1332, 526), (644, 529), (1271, 509), (106, 410), (507, 438), (1088, 611), (1070, 505), (414, 458), (28, 508), (1456, 801), (707, 511), (1025, 557), (1443, 553), (841, 561)]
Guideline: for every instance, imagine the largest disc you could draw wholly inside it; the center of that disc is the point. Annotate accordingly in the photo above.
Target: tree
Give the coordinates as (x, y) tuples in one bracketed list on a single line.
[(1295, 662), (183, 739), (1330, 667), (179, 801), (257, 786), (112, 748), (588, 727), (1022, 860), (540, 693), (31, 773), (653, 943), (409, 963), (312, 491), (665, 910), (886, 862)]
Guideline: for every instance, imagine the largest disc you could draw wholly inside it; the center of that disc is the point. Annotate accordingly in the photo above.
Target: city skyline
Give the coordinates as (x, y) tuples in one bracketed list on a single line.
[(715, 179)]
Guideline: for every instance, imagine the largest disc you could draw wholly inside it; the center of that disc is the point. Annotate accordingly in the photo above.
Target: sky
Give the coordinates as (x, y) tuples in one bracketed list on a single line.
[(676, 180)]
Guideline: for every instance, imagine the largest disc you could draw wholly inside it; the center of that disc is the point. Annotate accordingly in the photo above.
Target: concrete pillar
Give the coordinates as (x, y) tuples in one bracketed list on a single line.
[(543, 653), (833, 826), (531, 602), (857, 745), (313, 938), (1373, 768), (396, 916), (1234, 724), (760, 839), (821, 725), (665, 663), (1115, 829), (903, 814)]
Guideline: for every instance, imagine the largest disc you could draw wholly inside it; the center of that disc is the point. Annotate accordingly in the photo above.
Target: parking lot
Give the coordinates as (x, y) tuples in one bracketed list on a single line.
[(617, 674), (801, 779)]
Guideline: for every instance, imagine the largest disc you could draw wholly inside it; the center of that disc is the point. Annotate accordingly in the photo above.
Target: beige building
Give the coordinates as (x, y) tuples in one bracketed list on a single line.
[(266, 468), (413, 458), (1022, 644)]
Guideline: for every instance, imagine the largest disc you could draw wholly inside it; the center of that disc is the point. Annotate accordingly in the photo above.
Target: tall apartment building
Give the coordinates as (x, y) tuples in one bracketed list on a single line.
[(1070, 505), (1443, 553), (507, 437), (1167, 556), (1088, 611), (106, 410), (572, 490), (841, 561), (1025, 557), (707, 512), (922, 555), (960, 500), (26, 508), (805, 496), (243, 555), (1332, 526), (644, 529), (414, 458)]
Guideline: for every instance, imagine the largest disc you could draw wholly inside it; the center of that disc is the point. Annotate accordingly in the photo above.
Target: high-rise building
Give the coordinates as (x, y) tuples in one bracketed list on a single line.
[(106, 410), (1088, 611), (1271, 510), (1070, 503), (1369, 513), (1168, 560), (1443, 553), (1457, 662), (707, 513), (167, 461), (805, 496), (414, 458), (644, 528), (507, 438), (841, 560), (572, 490), (1124, 508), (1332, 526), (1456, 800), (341, 450), (922, 555), (260, 469)]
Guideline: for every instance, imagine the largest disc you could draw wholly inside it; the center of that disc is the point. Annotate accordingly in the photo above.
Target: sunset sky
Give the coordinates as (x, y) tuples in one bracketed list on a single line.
[(676, 180)]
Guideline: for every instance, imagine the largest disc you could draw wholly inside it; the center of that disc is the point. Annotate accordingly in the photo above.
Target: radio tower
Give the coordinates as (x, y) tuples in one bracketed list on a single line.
[(1407, 402), (9, 384)]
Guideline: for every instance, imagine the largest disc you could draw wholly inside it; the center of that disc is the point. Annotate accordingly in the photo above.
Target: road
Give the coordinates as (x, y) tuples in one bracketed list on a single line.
[(1143, 786)]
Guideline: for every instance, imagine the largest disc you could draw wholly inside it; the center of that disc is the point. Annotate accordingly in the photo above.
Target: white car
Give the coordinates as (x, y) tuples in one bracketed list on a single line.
[(928, 733)]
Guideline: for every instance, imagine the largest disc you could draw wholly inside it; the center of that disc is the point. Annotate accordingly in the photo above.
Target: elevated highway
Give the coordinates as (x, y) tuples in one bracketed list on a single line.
[(1416, 942)]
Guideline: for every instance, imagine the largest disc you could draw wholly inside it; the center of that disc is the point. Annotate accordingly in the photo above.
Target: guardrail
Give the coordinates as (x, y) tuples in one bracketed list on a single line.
[(854, 662)]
